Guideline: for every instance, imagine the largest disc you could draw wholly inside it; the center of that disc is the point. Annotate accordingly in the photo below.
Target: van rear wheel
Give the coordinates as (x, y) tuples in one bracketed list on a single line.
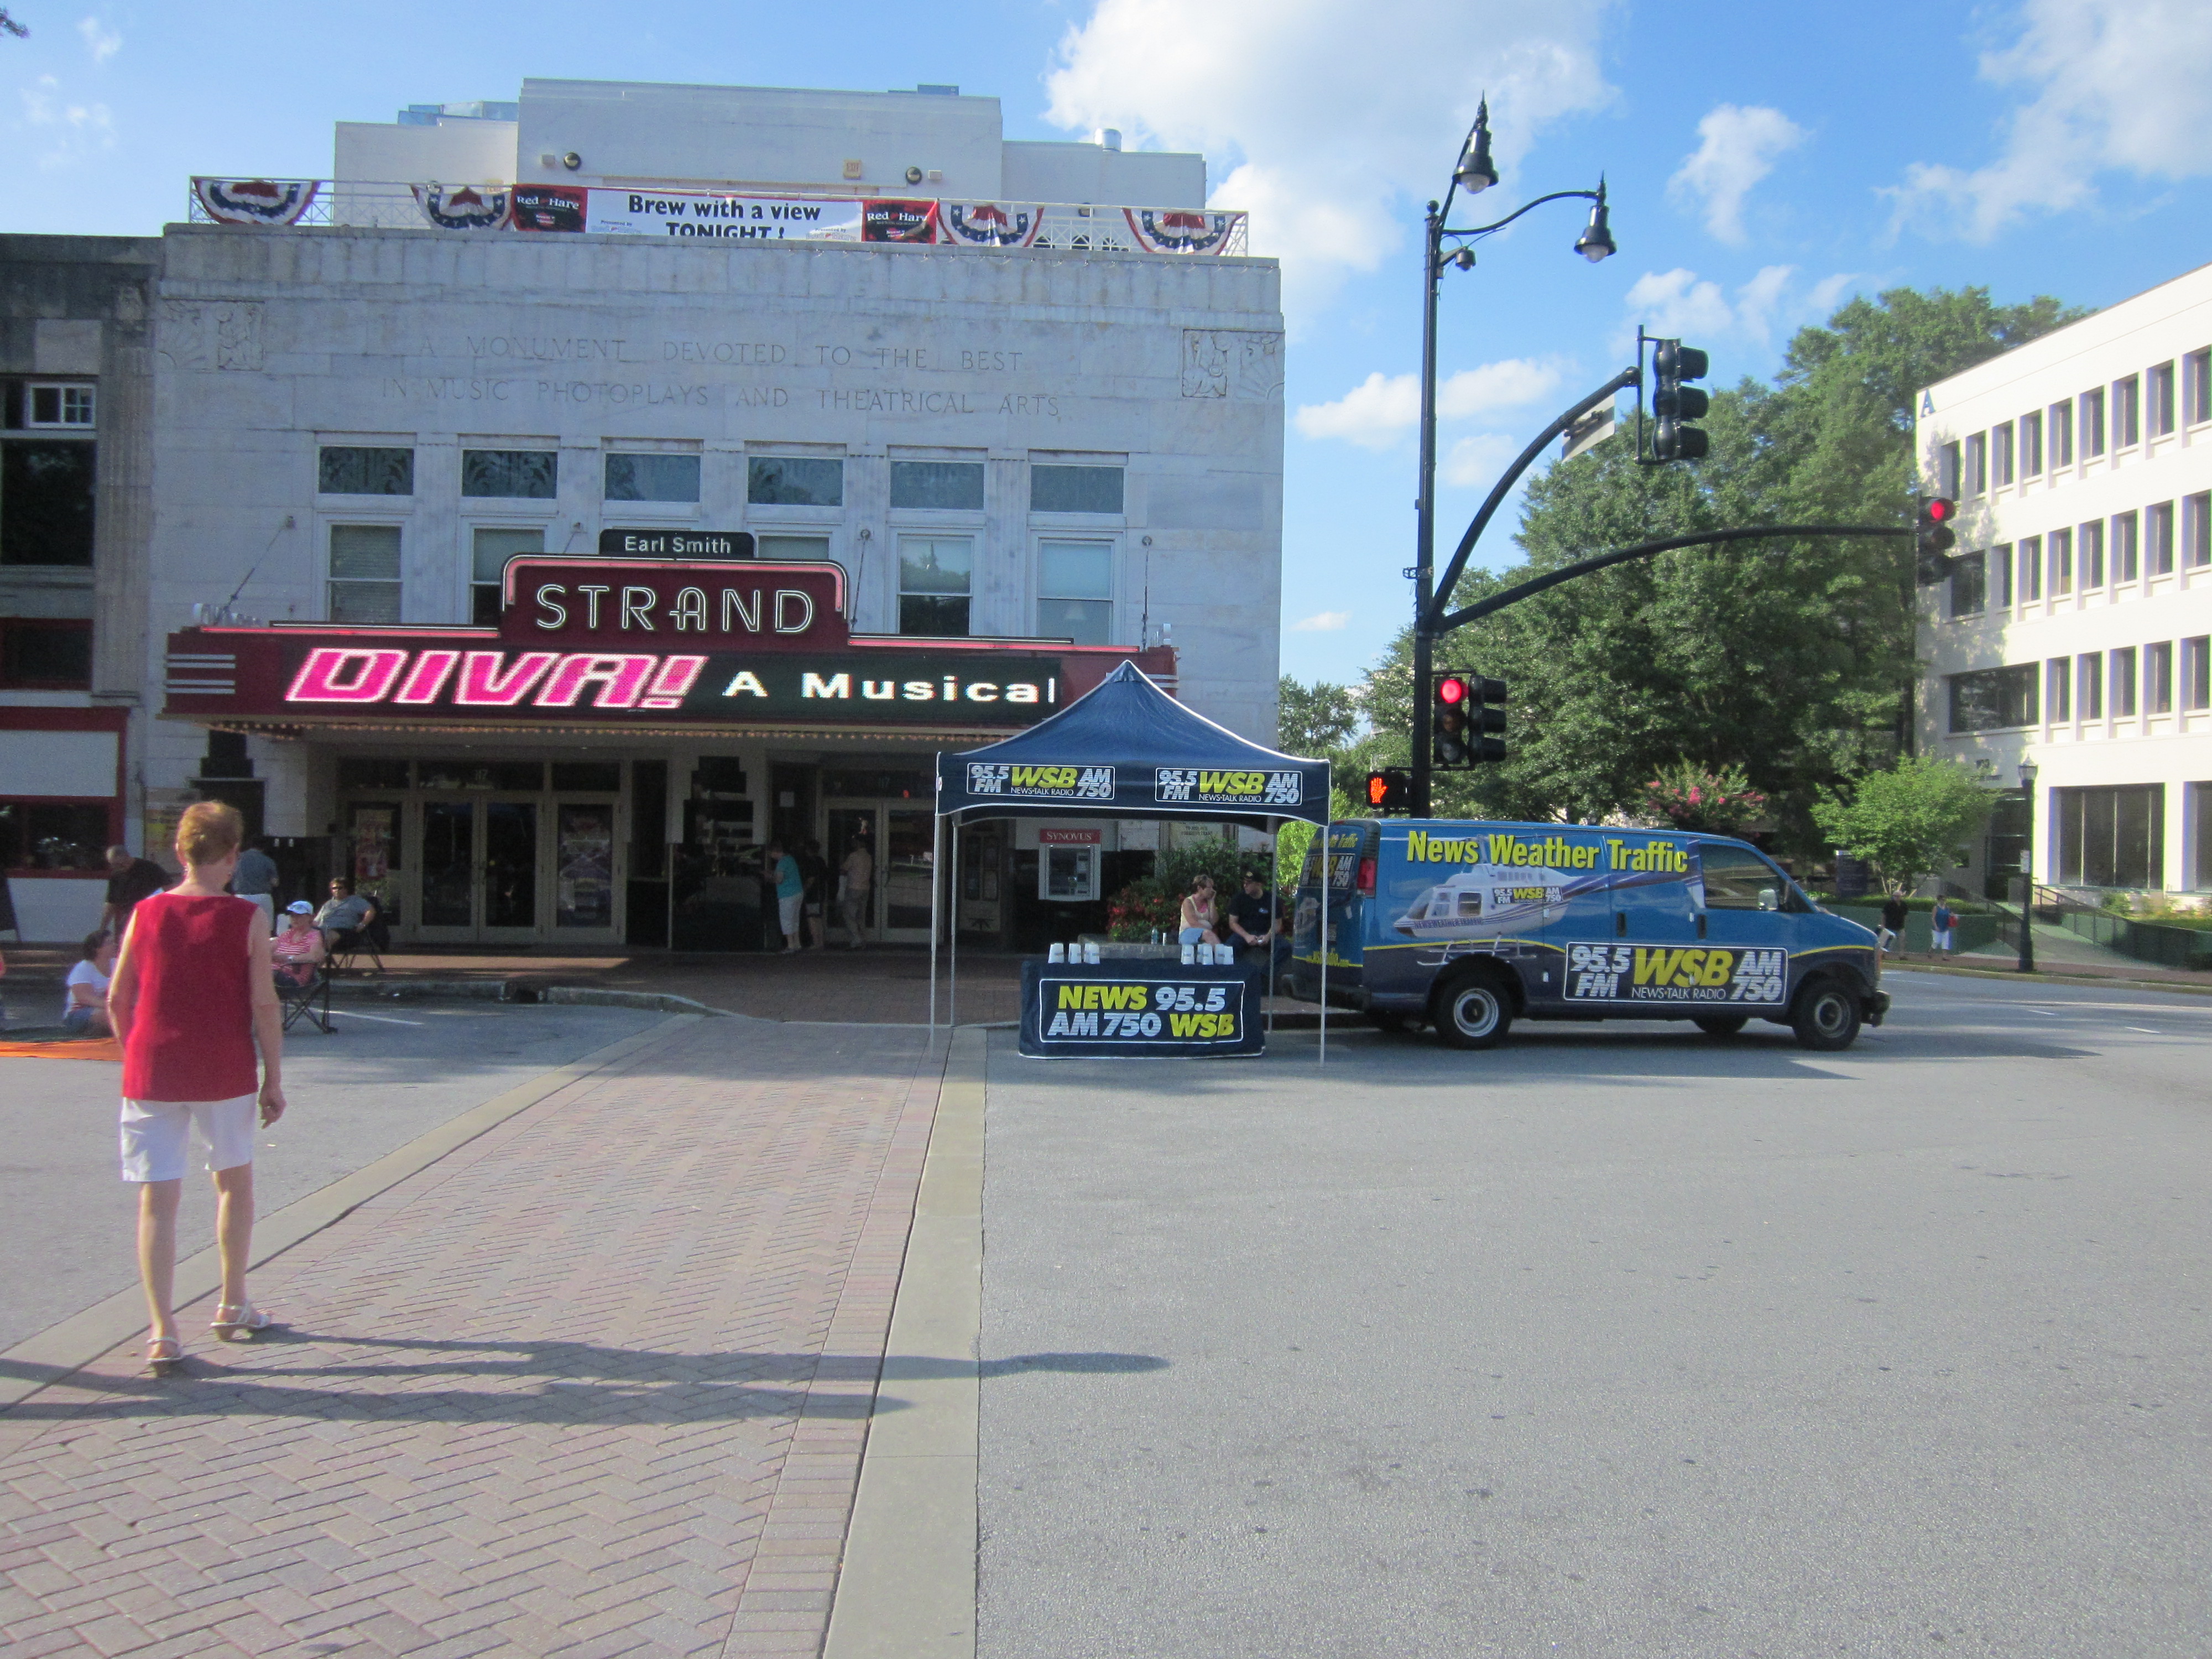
[(1473, 1011), (1721, 1025), (1826, 1017)]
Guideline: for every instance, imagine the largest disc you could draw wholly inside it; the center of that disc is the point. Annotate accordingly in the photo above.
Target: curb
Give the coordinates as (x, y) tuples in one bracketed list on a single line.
[(61, 1350), (522, 992), (2183, 987)]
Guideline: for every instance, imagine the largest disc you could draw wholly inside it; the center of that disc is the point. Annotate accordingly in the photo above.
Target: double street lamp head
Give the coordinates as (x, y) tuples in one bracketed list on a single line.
[(1476, 173), (1597, 243)]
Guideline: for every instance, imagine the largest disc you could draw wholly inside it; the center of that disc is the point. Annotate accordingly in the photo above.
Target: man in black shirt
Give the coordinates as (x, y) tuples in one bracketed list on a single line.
[(129, 880), (1252, 917)]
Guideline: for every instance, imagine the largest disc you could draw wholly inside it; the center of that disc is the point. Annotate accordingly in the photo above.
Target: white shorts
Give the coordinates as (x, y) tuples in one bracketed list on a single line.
[(156, 1133), (787, 913)]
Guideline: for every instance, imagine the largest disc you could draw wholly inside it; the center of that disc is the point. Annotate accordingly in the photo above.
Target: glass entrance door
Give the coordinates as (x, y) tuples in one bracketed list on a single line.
[(479, 872), (901, 850)]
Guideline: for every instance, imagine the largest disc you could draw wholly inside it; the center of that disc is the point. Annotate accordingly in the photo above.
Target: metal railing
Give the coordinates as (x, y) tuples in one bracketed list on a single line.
[(287, 202)]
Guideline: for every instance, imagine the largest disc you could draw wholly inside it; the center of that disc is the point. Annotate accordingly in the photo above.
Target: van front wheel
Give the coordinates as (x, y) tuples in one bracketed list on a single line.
[(1473, 1011), (1826, 1017)]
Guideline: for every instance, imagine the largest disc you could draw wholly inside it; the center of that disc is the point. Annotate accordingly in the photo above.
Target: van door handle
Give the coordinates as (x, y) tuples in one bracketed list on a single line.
[(1701, 924), (1620, 924)]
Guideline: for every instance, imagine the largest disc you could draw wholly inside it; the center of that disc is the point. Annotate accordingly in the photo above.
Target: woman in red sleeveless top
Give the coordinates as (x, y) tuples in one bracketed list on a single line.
[(192, 998)]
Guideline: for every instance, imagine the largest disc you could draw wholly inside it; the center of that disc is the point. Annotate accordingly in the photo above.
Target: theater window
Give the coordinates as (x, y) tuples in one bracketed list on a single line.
[(41, 653)]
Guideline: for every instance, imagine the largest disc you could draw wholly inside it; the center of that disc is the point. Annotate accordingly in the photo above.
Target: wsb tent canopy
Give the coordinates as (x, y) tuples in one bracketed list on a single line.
[(1126, 749)]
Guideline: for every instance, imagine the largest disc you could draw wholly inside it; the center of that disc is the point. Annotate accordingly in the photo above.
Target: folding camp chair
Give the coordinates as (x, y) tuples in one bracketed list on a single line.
[(310, 1002), (372, 938)]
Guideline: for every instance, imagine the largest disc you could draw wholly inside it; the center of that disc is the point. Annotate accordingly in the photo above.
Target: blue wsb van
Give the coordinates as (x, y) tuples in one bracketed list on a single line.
[(1470, 926)]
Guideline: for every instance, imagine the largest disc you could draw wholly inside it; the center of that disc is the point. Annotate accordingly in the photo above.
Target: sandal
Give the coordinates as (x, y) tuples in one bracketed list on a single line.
[(165, 1355), (237, 1322)]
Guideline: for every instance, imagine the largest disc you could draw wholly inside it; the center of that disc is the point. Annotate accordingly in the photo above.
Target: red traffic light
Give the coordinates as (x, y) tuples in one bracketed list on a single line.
[(1451, 689), (1939, 509)]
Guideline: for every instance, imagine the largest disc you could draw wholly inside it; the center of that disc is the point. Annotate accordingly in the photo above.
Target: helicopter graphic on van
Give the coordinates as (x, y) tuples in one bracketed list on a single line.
[(1489, 900)]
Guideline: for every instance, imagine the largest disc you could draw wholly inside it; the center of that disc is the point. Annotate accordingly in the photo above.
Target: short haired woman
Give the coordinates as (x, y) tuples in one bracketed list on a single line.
[(84, 992), (191, 998), (1199, 921)]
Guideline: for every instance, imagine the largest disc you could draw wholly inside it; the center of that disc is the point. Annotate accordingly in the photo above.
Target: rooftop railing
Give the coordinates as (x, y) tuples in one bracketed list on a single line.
[(716, 215)]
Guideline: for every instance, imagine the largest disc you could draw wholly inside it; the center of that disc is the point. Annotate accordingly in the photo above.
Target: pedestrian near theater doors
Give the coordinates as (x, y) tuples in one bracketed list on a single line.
[(854, 877), (814, 873), (1942, 921), (257, 880), (191, 1000), (1893, 922), (790, 891)]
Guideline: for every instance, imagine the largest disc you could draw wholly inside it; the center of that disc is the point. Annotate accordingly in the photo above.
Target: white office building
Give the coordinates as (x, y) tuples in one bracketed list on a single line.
[(2076, 631), (776, 439)]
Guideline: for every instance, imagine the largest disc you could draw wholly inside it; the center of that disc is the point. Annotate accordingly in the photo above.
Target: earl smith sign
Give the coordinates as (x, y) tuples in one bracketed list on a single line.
[(621, 642)]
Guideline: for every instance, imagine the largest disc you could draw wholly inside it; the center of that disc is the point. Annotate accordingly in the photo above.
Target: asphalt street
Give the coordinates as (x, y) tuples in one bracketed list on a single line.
[(1617, 1340), (388, 1074)]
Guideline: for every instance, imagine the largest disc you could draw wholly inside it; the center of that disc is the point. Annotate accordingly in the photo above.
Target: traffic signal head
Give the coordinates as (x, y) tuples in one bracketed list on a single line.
[(1676, 404), (1466, 711), (1933, 539), (1389, 790)]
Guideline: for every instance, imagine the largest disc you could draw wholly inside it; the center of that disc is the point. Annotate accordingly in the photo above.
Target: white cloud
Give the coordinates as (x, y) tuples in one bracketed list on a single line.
[(1320, 116), (1322, 622), (1677, 304), (101, 41), (1741, 145), (67, 131), (1377, 411), (2115, 84), (1477, 461)]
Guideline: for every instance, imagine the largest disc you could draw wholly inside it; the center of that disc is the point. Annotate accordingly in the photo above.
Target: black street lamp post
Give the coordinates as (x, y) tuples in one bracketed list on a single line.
[(1475, 173), (2027, 872)]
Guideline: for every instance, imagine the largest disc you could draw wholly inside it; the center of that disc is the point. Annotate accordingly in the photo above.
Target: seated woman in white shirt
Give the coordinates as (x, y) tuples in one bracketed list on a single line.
[(84, 992)]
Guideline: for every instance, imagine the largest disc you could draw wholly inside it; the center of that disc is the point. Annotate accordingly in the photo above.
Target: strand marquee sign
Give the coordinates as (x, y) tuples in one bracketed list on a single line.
[(613, 642)]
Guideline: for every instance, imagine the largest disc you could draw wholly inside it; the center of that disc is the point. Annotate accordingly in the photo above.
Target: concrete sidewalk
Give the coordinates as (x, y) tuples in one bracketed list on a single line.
[(595, 1382)]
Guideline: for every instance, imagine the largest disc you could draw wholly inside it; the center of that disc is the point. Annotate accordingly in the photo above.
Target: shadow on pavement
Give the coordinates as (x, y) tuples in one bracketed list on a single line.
[(550, 1382)]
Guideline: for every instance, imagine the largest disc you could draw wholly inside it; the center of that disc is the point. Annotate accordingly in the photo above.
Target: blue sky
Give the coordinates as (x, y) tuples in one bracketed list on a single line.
[(1764, 162)]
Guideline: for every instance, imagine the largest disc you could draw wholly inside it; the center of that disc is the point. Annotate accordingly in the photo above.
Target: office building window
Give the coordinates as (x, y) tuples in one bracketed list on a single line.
[(652, 477), (1075, 489), (935, 573), (2196, 391), (45, 654), (2058, 684), (943, 486), (1969, 584), (2123, 702), (487, 557), (2197, 530), (2157, 678), (2196, 674), (2000, 566), (1978, 464), (2158, 535), (2060, 560), (2030, 445), (2031, 569), (526, 474), (59, 406), (2062, 434), (794, 480), (364, 583), (2127, 547), (1993, 699), (1075, 592), (2127, 412), (2093, 422), (2161, 399), (2090, 560), (2000, 454), (365, 470), (1946, 471), (2111, 837), (2089, 684), (46, 501)]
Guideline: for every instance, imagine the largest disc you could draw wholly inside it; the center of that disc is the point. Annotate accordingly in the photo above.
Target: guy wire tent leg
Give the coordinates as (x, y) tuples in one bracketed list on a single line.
[(953, 975), (936, 900)]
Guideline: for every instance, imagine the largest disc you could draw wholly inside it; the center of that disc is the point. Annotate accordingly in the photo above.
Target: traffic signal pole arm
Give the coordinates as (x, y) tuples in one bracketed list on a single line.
[(1433, 621), (1567, 573)]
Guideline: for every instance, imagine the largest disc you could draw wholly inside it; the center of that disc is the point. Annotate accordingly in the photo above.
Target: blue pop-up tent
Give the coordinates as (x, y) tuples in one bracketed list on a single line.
[(1123, 749)]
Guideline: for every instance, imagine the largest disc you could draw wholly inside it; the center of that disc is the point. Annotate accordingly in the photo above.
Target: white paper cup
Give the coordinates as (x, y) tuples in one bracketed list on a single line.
[(1189, 953), (1090, 952), (1058, 952)]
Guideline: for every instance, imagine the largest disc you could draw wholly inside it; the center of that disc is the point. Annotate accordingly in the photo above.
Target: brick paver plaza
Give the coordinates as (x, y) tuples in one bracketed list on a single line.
[(596, 1383)]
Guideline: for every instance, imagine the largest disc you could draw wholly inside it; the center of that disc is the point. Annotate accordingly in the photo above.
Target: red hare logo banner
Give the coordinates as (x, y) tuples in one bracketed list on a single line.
[(898, 221), (548, 207)]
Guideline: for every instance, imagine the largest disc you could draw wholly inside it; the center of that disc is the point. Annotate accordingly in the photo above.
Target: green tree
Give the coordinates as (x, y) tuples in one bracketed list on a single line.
[(1790, 661), (1910, 820), (1317, 721)]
